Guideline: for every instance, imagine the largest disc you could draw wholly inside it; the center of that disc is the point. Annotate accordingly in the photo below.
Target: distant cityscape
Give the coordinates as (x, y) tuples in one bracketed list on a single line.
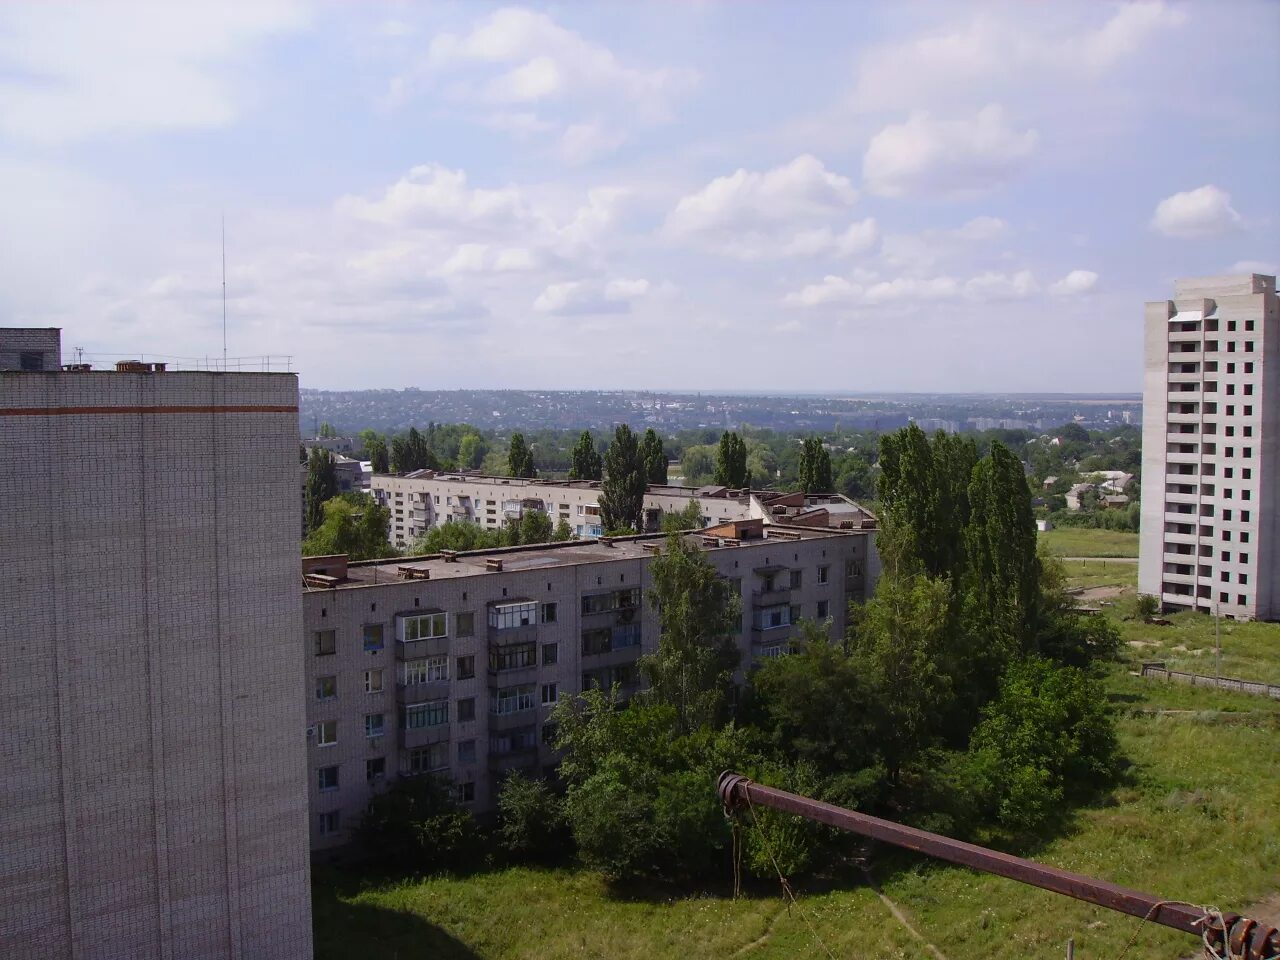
[(392, 410)]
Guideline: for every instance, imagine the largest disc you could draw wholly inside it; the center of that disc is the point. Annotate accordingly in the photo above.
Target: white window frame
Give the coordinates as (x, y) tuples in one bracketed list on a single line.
[(326, 733), (436, 626), (509, 700), (373, 681), (370, 731), (554, 690), (333, 695)]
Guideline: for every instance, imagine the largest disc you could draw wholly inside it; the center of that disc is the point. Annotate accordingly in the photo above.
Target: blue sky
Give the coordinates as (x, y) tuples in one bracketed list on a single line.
[(763, 196)]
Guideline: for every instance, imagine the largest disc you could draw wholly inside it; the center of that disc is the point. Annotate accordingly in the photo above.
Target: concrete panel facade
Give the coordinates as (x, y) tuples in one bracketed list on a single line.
[(1210, 463), (153, 774)]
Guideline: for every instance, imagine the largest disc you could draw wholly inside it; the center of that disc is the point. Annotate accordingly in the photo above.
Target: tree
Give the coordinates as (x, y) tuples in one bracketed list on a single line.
[(623, 486), (417, 825), (321, 486), (354, 524), (471, 451), (586, 462), (1047, 738), (562, 531), (690, 518), (375, 451), (698, 465), (815, 467), (531, 824), (731, 461), (326, 431), (899, 649), (412, 452), (520, 458), (653, 458), (535, 527), (456, 535), (698, 611)]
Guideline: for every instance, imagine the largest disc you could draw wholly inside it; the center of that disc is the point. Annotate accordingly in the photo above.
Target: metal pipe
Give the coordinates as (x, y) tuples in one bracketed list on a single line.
[(1248, 937)]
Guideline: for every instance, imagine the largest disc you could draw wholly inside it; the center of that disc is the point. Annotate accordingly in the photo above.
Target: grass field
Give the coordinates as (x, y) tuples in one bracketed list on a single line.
[(1101, 573), (1194, 819), (1086, 542)]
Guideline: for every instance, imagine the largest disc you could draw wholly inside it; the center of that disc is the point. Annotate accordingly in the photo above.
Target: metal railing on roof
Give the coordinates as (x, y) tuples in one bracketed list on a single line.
[(265, 363)]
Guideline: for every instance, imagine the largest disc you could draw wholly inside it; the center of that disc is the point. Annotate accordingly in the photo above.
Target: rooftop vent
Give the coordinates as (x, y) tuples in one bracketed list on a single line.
[(494, 564), (414, 573)]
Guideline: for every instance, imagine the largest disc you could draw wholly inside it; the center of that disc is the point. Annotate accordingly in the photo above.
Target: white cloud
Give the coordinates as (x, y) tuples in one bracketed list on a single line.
[(583, 142), (583, 297), (1000, 50), (930, 247), (1253, 266), (71, 71), (431, 196), (866, 290), (951, 157), (483, 258), (993, 285), (1074, 283), (788, 211), (1203, 212)]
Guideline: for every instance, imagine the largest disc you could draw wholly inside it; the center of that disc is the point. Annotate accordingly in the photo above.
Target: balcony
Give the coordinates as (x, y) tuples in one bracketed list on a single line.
[(417, 649), (1190, 498), (770, 598), (419, 692), (424, 736), (524, 758), (515, 720)]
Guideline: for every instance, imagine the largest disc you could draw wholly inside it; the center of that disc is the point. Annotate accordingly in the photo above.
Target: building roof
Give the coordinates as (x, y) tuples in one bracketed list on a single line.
[(336, 572)]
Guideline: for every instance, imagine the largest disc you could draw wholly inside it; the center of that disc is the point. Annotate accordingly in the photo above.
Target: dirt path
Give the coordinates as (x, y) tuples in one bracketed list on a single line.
[(901, 917)]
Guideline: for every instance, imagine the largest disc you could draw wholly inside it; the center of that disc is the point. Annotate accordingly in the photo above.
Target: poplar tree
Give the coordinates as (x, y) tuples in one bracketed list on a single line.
[(520, 458), (815, 467), (653, 457), (623, 486), (731, 461), (322, 485), (586, 463)]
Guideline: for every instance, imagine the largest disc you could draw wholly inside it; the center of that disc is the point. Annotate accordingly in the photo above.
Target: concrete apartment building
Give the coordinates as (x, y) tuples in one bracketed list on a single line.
[(153, 775), (423, 499), (449, 665), (1210, 460)]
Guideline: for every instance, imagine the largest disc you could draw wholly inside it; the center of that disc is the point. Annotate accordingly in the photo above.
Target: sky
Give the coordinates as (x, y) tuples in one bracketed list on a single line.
[(803, 196)]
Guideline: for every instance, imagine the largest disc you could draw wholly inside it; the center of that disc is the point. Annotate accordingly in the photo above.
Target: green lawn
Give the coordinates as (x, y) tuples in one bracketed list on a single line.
[(1087, 542), (1101, 573), (1250, 651), (1195, 820)]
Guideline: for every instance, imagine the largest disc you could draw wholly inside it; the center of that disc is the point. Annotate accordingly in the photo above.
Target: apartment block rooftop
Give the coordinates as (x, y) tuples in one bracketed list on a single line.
[(39, 350), (337, 572)]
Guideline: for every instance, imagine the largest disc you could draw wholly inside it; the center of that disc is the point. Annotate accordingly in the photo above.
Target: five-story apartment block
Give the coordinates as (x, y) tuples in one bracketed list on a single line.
[(450, 665), (1210, 467)]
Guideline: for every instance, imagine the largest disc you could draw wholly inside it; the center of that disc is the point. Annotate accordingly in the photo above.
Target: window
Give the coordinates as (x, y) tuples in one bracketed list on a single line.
[(514, 741), (1241, 599), (1242, 579), (427, 626), (466, 793), (373, 681), (824, 574), (550, 654), (508, 700), (1244, 536), (328, 823), (372, 637), (596, 641), (796, 578), (374, 724), (464, 624), (426, 670), (549, 611), (429, 758), (550, 694), (328, 778), (326, 642), (505, 616), (433, 713), (823, 607), (375, 769), (466, 751), (326, 688), (466, 667), (466, 710), (1245, 516), (326, 733), (549, 731), (31, 361), (768, 618), (1242, 557), (514, 656)]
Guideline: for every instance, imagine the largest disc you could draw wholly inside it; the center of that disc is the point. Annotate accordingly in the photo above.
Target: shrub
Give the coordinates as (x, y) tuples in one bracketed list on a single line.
[(417, 825), (531, 824)]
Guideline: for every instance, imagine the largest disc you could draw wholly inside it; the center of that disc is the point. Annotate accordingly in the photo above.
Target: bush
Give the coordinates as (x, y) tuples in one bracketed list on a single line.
[(531, 824), (1045, 739), (417, 825)]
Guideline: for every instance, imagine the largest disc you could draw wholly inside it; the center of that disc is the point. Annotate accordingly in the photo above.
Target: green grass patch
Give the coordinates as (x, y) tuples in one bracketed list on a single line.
[(1250, 651), (1193, 819), (1101, 573), (1088, 542)]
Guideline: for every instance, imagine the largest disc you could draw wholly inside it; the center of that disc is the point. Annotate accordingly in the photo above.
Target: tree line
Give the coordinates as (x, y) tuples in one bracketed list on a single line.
[(963, 698)]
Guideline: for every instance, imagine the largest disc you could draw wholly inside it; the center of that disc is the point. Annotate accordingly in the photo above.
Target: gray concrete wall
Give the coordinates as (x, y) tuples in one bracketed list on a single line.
[(153, 764)]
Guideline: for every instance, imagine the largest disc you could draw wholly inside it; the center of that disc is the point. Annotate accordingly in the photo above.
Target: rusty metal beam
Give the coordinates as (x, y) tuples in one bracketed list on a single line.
[(1255, 940)]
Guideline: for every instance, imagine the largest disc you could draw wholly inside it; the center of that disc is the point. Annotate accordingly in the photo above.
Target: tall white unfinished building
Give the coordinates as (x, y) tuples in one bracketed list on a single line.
[(153, 783), (1210, 465)]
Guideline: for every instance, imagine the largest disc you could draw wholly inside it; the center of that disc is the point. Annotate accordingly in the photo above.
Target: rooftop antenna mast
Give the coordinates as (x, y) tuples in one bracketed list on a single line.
[(224, 293)]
